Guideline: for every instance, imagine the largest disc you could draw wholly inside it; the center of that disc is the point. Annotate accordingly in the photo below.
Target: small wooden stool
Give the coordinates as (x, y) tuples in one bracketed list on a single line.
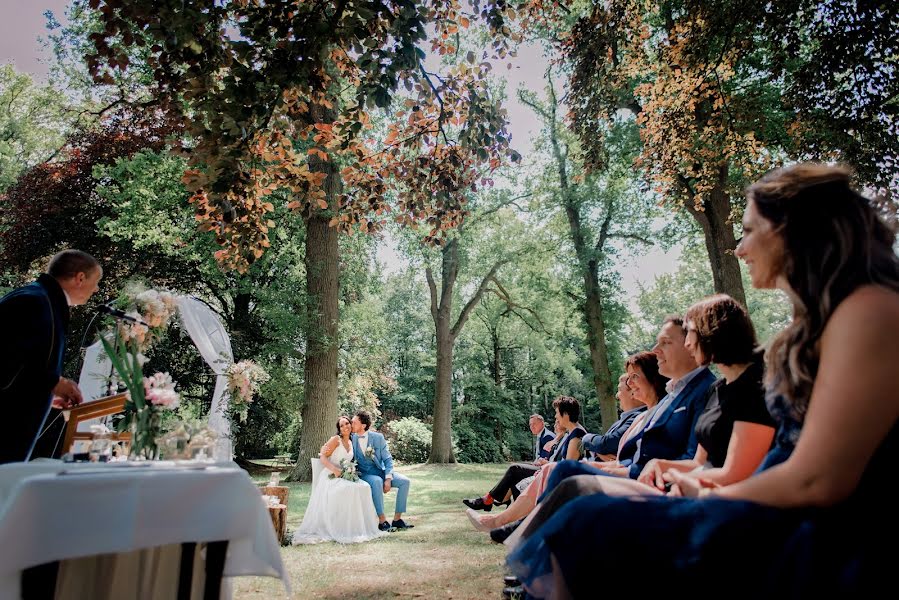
[(282, 492), (278, 513)]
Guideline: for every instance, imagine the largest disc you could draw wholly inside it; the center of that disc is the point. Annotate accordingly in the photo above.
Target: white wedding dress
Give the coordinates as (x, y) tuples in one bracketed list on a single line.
[(339, 510)]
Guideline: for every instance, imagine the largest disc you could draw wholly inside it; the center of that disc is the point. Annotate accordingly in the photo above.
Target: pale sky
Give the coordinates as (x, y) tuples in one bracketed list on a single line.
[(23, 22)]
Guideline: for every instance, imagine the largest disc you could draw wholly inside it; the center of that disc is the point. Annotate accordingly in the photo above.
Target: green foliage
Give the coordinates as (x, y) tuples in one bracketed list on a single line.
[(32, 124), (410, 440), (673, 293)]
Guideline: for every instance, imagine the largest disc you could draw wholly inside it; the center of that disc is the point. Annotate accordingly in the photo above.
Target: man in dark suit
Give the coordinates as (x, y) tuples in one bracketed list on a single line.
[(543, 437), (34, 319), (604, 446)]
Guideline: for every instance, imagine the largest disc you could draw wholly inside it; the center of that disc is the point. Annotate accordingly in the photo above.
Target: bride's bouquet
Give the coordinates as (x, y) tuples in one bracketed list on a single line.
[(347, 471)]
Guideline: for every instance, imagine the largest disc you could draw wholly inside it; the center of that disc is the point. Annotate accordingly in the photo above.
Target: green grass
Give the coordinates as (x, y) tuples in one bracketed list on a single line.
[(441, 557)]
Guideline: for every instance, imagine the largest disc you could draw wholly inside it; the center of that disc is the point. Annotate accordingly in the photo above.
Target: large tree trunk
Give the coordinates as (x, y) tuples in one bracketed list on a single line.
[(720, 240), (441, 312), (588, 264), (442, 439), (599, 354), (319, 412), (592, 311)]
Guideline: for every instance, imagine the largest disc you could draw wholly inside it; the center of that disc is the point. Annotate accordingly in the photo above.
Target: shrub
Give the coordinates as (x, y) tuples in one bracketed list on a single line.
[(410, 440)]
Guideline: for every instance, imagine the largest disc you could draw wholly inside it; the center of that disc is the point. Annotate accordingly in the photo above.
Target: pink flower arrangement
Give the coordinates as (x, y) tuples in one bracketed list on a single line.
[(159, 390), (156, 307), (244, 380), (153, 307)]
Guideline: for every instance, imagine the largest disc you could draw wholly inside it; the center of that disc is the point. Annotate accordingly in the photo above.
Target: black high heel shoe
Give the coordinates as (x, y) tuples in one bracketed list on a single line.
[(514, 593)]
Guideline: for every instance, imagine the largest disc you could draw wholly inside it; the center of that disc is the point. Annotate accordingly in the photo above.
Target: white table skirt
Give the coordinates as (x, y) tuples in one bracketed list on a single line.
[(52, 511)]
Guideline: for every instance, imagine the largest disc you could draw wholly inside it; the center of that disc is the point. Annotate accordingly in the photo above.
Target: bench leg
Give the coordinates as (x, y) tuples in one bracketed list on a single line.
[(186, 570), (215, 567), (39, 583)]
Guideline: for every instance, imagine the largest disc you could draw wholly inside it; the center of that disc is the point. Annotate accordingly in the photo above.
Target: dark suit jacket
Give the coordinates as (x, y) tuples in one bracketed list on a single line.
[(607, 443), (33, 321), (545, 436), (673, 435)]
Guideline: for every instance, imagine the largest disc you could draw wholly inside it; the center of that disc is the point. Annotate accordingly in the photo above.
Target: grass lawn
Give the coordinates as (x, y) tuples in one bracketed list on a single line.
[(441, 557)]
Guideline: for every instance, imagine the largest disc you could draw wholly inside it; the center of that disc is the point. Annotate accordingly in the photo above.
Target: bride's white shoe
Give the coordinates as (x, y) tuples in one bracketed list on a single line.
[(475, 519)]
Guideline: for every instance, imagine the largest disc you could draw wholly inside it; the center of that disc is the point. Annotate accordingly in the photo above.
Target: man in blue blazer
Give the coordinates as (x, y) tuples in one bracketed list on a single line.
[(605, 445), (34, 319), (375, 465), (669, 430)]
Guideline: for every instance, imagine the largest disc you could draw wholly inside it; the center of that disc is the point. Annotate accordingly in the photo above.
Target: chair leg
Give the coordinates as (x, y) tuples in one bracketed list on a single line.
[(215, 567), (39, 582), (186, 570)]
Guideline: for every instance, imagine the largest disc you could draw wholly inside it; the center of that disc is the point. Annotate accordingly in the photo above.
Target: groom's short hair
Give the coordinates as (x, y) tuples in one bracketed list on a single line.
[(364, 418)]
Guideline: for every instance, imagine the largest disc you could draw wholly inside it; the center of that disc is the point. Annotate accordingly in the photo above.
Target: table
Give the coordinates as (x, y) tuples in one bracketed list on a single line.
[(52, 511)]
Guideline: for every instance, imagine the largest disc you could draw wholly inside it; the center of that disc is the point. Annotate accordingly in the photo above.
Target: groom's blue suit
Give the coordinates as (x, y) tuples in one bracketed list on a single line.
[(375, 469)]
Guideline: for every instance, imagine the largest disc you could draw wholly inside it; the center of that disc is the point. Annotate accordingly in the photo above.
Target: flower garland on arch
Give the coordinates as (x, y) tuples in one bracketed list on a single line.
[(244, 380), (155, 307)]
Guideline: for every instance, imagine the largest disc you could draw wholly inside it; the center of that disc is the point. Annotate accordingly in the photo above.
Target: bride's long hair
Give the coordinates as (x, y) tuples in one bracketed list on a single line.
[(834, 243)]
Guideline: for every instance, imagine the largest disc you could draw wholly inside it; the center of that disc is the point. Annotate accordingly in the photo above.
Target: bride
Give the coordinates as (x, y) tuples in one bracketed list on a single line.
[(339, 510)]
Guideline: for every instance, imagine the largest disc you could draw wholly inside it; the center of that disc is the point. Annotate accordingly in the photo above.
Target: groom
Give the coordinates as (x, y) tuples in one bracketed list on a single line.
[(376, 469)]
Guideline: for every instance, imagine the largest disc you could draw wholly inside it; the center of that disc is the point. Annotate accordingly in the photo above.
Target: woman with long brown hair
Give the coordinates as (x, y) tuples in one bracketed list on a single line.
[(813, 519)]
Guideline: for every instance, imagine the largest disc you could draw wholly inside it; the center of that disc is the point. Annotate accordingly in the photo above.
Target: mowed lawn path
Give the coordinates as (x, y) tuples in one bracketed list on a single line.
[(441, 557)]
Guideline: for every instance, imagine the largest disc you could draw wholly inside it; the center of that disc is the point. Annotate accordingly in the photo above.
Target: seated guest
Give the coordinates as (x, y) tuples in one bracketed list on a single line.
[(734, 432), (643, 368), (544, 439), (568, 411), (505, 489), (667, 430), (550, 447), (604, 446), (812, 520)]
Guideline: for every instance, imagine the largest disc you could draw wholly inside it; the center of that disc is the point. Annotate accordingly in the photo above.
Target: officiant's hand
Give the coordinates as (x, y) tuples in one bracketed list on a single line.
[(66, 394), (387, 485)]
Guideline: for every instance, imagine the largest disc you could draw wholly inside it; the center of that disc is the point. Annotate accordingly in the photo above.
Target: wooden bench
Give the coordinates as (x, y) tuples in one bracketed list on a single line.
[(95, 409), (282, 460)]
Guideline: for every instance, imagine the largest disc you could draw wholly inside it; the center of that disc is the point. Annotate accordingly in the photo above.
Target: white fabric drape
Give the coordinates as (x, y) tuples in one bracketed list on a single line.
[(94, 380), (95, 373), (211, 338)]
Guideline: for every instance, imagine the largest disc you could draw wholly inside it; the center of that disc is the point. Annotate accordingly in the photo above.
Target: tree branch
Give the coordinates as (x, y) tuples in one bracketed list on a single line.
[(466, 312), (427, 77), (432, 287), (631, 236), (512, 306)]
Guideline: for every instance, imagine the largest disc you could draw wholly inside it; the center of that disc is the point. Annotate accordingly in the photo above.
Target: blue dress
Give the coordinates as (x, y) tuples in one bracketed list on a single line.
[(716, 547)]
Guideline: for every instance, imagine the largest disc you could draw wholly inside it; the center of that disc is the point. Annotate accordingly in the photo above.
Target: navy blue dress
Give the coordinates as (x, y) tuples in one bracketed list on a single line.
[(716, 547)]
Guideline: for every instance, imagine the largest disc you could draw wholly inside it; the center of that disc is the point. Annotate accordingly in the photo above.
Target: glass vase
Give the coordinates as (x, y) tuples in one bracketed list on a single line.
[(145, 428)]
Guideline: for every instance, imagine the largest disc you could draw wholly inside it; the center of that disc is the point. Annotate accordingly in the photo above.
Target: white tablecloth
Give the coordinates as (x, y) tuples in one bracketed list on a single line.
[(53, 511)]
